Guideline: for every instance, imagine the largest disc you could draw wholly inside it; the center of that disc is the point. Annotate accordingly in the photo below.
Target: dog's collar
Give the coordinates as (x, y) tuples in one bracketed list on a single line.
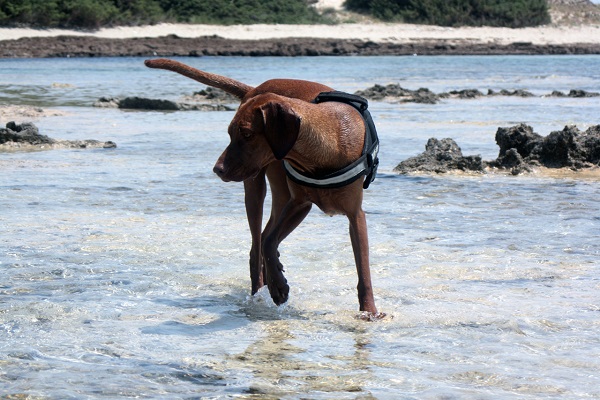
[(366, 165)]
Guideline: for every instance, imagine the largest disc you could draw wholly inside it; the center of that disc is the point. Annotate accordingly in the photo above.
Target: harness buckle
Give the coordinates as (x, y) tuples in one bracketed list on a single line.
[(372, 170)]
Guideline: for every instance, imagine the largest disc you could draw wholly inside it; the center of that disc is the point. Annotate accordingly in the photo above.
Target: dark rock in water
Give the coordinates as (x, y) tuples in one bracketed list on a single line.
[(379, 92), (204, 107), (441, 156), (25, 135), (84, 144), (517, 92), (213, 95), (462, 94), (558, 149), (520, 137), (141, 103), (567, 148), (557, 93), (590, 141), (521, 150), (513, 161), (423, 96), (396, 93), (26, 132), (576, 93), (583, 93), (107, 102)]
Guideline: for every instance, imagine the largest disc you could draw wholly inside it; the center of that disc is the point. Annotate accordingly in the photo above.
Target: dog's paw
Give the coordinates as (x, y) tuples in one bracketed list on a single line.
[(278, 287), (280, 293), (371, 317)]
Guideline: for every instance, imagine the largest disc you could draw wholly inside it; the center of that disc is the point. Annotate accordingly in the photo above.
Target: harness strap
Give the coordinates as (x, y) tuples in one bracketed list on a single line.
[(366, 165)]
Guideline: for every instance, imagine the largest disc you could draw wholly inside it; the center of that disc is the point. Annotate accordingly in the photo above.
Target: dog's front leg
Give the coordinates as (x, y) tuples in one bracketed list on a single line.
[(360, 245), (255, 190), (291, 216)]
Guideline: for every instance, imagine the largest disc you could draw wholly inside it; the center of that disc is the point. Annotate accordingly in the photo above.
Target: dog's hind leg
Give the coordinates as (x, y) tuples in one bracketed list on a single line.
[(360, 245)]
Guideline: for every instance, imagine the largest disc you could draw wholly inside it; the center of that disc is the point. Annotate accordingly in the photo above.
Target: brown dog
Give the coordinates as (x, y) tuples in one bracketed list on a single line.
[(276, 121)]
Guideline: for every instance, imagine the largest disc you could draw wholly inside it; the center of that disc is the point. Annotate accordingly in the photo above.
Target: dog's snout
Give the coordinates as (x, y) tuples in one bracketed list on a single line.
[(220, 171)]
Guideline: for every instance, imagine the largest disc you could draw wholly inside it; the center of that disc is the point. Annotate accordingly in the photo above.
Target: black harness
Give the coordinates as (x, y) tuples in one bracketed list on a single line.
[(366, 165)]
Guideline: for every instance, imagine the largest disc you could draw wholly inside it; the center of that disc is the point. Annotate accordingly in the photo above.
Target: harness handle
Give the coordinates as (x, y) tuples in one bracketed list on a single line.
[(343, 97)]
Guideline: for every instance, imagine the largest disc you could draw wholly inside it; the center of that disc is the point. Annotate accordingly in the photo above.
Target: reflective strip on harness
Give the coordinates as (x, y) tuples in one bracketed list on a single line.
[(366, 165), (338, 179)]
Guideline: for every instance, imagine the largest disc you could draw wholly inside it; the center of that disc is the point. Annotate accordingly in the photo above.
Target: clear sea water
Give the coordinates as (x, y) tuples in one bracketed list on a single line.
[(124, 272)]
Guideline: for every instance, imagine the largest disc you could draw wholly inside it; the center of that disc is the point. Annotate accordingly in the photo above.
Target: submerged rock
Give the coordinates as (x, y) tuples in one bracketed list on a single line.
[(26, 135), (441, 156)]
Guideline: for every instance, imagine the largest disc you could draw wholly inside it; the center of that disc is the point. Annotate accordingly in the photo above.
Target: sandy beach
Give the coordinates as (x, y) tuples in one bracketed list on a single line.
[(368, 38), (574, 28), (376, 32)]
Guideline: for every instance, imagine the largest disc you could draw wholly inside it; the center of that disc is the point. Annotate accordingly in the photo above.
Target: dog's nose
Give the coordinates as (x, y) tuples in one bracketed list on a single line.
[(220, 171)]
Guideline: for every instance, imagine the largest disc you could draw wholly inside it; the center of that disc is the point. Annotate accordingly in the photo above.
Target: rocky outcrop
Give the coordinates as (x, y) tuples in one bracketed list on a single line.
[(26, 132), (462, 94), (26, 135), (521, 150), (212, 95), (576, 93), (212, 99), (441, 156), (172, 45), (396, 93), (142, 103), (515, 93)]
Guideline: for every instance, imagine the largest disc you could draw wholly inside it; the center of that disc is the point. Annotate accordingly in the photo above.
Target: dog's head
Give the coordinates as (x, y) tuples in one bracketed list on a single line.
[(264, 129)]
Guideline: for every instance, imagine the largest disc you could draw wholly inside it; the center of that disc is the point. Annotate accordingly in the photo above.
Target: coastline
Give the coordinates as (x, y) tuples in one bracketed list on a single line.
[(297, 40), (368, 31)]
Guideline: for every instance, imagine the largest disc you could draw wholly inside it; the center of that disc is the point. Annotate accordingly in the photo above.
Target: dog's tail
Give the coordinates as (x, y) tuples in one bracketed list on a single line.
[(229, 85)]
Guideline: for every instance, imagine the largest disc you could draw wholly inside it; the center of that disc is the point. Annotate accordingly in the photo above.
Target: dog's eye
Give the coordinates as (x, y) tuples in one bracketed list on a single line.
[(246, 133)]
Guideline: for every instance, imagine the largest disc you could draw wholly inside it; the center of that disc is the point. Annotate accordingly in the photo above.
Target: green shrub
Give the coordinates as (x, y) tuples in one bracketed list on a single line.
[(138, 12), (90, 13), (242, 11), (97, 13), (29, 12), (508, 13)]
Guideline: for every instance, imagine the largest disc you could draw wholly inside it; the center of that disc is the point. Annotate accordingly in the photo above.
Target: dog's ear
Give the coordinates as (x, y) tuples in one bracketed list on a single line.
[(282, 126)]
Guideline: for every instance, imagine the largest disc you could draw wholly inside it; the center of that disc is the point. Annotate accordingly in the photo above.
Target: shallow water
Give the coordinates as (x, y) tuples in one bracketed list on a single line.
[(124, 273)]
